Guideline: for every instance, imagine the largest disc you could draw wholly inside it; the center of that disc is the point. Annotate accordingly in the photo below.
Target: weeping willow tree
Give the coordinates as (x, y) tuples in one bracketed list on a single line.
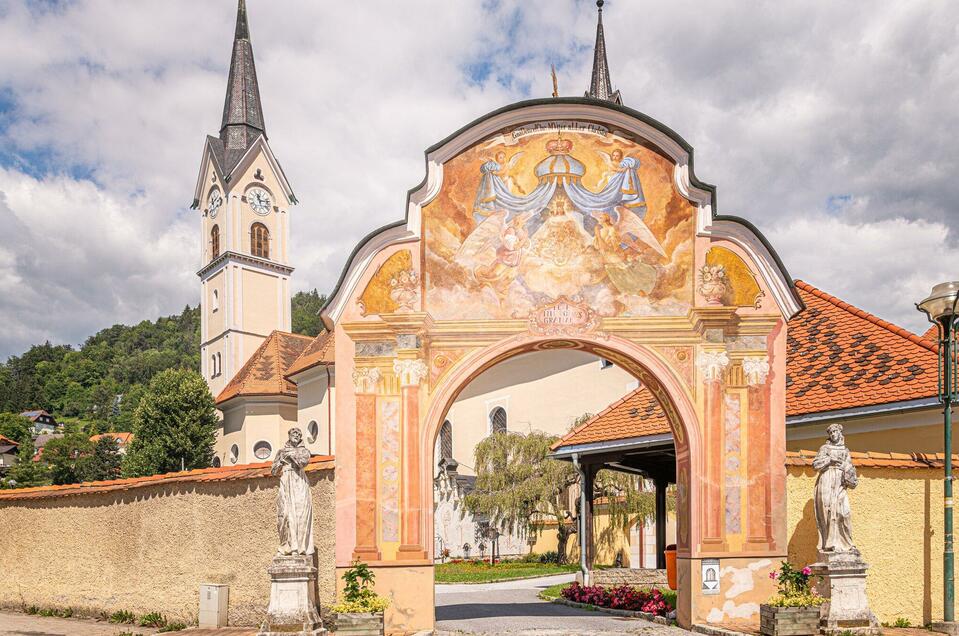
[(520, 489)]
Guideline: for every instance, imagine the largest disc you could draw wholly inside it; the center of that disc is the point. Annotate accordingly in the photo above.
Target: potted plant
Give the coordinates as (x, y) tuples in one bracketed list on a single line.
[(360, 613), (795, 609)]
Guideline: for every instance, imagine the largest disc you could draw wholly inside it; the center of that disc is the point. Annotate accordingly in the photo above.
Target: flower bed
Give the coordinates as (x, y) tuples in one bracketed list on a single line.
[(624, 597)]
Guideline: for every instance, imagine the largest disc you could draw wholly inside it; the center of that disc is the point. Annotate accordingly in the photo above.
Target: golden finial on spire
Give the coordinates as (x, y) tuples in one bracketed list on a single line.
[(555, 82)]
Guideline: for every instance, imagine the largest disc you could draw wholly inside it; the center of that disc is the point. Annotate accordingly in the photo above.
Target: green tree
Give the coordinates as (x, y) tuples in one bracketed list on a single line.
[(26, 473), (13, 426), (517, 484), (175, 422), (104, 462), (306, 313), (67, 456)]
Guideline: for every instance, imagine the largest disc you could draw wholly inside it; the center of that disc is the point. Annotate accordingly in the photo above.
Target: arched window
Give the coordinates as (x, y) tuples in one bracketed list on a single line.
[(313, 431), (446, 440), (234, 454), (260, 240), (213, 366), (219, 364), (214, 242), (497, 420), (216, 300), (216, 462)]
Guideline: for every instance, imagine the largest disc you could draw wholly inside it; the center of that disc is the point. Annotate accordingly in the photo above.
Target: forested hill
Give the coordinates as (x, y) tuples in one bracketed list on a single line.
[(102, 381)]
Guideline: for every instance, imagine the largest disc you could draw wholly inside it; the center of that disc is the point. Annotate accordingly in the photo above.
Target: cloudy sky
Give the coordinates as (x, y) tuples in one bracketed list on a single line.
[(830, 127)]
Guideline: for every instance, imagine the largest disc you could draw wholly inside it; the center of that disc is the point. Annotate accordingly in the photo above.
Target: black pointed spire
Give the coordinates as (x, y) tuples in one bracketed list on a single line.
[(242, 111), (601, 87)]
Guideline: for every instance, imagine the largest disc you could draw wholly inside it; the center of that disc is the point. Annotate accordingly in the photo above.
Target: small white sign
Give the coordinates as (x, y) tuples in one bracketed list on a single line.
[(710, 576)]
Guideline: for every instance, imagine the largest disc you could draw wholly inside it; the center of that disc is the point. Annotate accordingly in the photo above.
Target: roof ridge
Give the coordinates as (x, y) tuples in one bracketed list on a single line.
[(865, 315)]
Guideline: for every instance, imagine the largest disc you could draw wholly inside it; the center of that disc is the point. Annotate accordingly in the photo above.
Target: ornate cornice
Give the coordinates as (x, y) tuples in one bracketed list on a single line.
[(248, 259)]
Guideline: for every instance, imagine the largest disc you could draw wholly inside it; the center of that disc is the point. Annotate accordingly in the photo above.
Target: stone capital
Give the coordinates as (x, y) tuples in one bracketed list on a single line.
[(410, 371), (756, 369), (712, 363), (365, 379)]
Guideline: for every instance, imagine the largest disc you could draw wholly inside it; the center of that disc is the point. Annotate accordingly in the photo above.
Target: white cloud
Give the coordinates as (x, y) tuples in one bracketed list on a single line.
[(791, 107)]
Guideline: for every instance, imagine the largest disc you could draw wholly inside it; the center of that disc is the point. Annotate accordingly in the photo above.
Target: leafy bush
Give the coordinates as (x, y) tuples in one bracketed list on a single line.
[(32, 610), (795, 589), (173, 627), (624, 597), (153, 619), (532, 557), (550, 556), (358, 594), (122, 617)]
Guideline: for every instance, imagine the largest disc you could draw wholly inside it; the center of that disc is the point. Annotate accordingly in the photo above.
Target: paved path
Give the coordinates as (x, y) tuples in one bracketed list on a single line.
[(513, 608), (13, 624)]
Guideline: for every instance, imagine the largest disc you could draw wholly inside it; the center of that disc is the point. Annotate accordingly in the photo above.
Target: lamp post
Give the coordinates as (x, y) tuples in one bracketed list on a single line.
[(940, 309)]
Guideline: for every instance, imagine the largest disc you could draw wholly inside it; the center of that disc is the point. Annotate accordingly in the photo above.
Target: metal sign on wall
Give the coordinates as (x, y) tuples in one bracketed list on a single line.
[(710, 576)]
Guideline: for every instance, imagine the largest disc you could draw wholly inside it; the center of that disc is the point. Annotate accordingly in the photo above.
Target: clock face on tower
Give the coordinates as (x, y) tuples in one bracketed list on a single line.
[(215, 202), (259, 200)]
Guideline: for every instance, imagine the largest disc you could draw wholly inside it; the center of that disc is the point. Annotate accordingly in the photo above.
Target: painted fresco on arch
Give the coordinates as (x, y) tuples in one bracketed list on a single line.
[(539, 213)]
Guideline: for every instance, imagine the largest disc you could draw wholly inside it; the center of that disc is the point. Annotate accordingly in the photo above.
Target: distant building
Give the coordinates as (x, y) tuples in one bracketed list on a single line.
[(8, 453), (40, 441), (42, 421), (123, 440)]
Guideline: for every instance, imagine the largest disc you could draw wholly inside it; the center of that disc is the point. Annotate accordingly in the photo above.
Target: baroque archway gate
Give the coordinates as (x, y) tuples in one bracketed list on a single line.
[(565, 223)]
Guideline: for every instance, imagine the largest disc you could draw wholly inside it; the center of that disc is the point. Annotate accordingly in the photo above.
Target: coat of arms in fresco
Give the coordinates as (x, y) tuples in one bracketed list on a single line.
[(522, 223)]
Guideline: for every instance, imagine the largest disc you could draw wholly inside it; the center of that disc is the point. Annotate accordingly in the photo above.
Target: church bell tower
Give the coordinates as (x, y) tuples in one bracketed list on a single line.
[(244, 200)]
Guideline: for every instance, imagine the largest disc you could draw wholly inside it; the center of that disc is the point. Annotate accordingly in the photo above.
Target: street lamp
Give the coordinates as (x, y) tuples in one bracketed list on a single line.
[(940, 309)]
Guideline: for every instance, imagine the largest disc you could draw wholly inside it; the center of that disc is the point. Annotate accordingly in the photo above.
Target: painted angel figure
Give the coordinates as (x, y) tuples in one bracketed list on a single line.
[(496, 181), (294, 500), (611, 161), (629, 250), (836, 475)]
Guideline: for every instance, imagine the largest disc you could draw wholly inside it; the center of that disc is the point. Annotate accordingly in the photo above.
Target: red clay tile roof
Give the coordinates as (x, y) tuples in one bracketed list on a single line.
[(122, 438), (876, 460), (319, 351), (6, 441), (636, 415), (225, 473), (931, 334), (839, 356), (263, 372)]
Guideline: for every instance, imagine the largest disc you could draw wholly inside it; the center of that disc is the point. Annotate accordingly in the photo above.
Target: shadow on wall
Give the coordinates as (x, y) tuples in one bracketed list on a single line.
[(805, 537)]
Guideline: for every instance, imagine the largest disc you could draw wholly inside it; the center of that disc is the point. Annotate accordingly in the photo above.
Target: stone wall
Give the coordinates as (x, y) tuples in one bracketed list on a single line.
[(146, 545)]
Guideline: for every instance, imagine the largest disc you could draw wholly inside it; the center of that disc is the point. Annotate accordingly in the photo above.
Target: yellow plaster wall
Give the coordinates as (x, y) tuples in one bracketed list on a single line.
[(912, 432), (410, 590), (896, 524), (150, 548), (216, 318), (260, 306), (248, 421), (315, 404)]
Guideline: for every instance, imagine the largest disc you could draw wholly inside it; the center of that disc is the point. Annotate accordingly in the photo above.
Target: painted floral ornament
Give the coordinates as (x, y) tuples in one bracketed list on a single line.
[(713, 283)]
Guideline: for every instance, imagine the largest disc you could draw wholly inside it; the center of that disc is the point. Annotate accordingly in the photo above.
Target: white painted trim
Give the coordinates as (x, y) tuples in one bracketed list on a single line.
[(872, 409), (869, 423), (706, 225), (620, 444)]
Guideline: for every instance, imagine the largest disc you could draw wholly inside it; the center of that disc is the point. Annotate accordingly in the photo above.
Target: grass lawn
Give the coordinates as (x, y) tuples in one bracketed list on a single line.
[(553, 591), (473, 572)]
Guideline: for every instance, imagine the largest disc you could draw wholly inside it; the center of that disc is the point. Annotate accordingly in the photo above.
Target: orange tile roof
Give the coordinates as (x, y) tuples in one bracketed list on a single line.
[(931, 334), (263, 372), (839, 356), (636, 415), (8, 441), (225, 473), (876, 460), (319, 351), (122, 438)]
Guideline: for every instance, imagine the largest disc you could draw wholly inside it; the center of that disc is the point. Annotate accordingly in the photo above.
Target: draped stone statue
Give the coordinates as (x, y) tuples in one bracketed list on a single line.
[(841, 572), (294, 502), (836, 475), (293, 606)]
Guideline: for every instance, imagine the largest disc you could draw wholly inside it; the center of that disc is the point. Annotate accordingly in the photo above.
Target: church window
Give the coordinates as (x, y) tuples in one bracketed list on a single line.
[(219, 364), (446, 440), (313, 430), (260, 240), (234, 454), (213, 366), (214, 242), (497, 420), (216, 462), (216, 300), (262, 449)]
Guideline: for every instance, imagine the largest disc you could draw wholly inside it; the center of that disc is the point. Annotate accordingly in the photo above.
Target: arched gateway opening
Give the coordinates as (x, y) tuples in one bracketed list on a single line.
[(576, 224)]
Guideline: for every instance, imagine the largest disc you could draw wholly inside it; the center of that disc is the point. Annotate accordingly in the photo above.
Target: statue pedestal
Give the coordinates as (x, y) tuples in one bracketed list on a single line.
[(843, 585), (292, 598)]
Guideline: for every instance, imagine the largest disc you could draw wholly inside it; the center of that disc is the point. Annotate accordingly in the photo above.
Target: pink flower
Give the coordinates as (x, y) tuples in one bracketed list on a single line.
[(807, 571), (774, 575)]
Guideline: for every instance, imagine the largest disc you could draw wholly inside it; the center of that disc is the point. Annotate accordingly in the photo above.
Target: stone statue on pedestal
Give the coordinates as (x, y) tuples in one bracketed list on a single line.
[(293, 606), (841, 569)]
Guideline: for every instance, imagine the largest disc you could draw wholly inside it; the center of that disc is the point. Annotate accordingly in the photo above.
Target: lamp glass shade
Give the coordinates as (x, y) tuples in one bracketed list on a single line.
[(942, 301)]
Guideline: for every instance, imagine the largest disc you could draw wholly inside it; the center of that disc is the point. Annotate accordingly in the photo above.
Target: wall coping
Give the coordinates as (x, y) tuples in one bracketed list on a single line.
[(874, 459), (224, 473)]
